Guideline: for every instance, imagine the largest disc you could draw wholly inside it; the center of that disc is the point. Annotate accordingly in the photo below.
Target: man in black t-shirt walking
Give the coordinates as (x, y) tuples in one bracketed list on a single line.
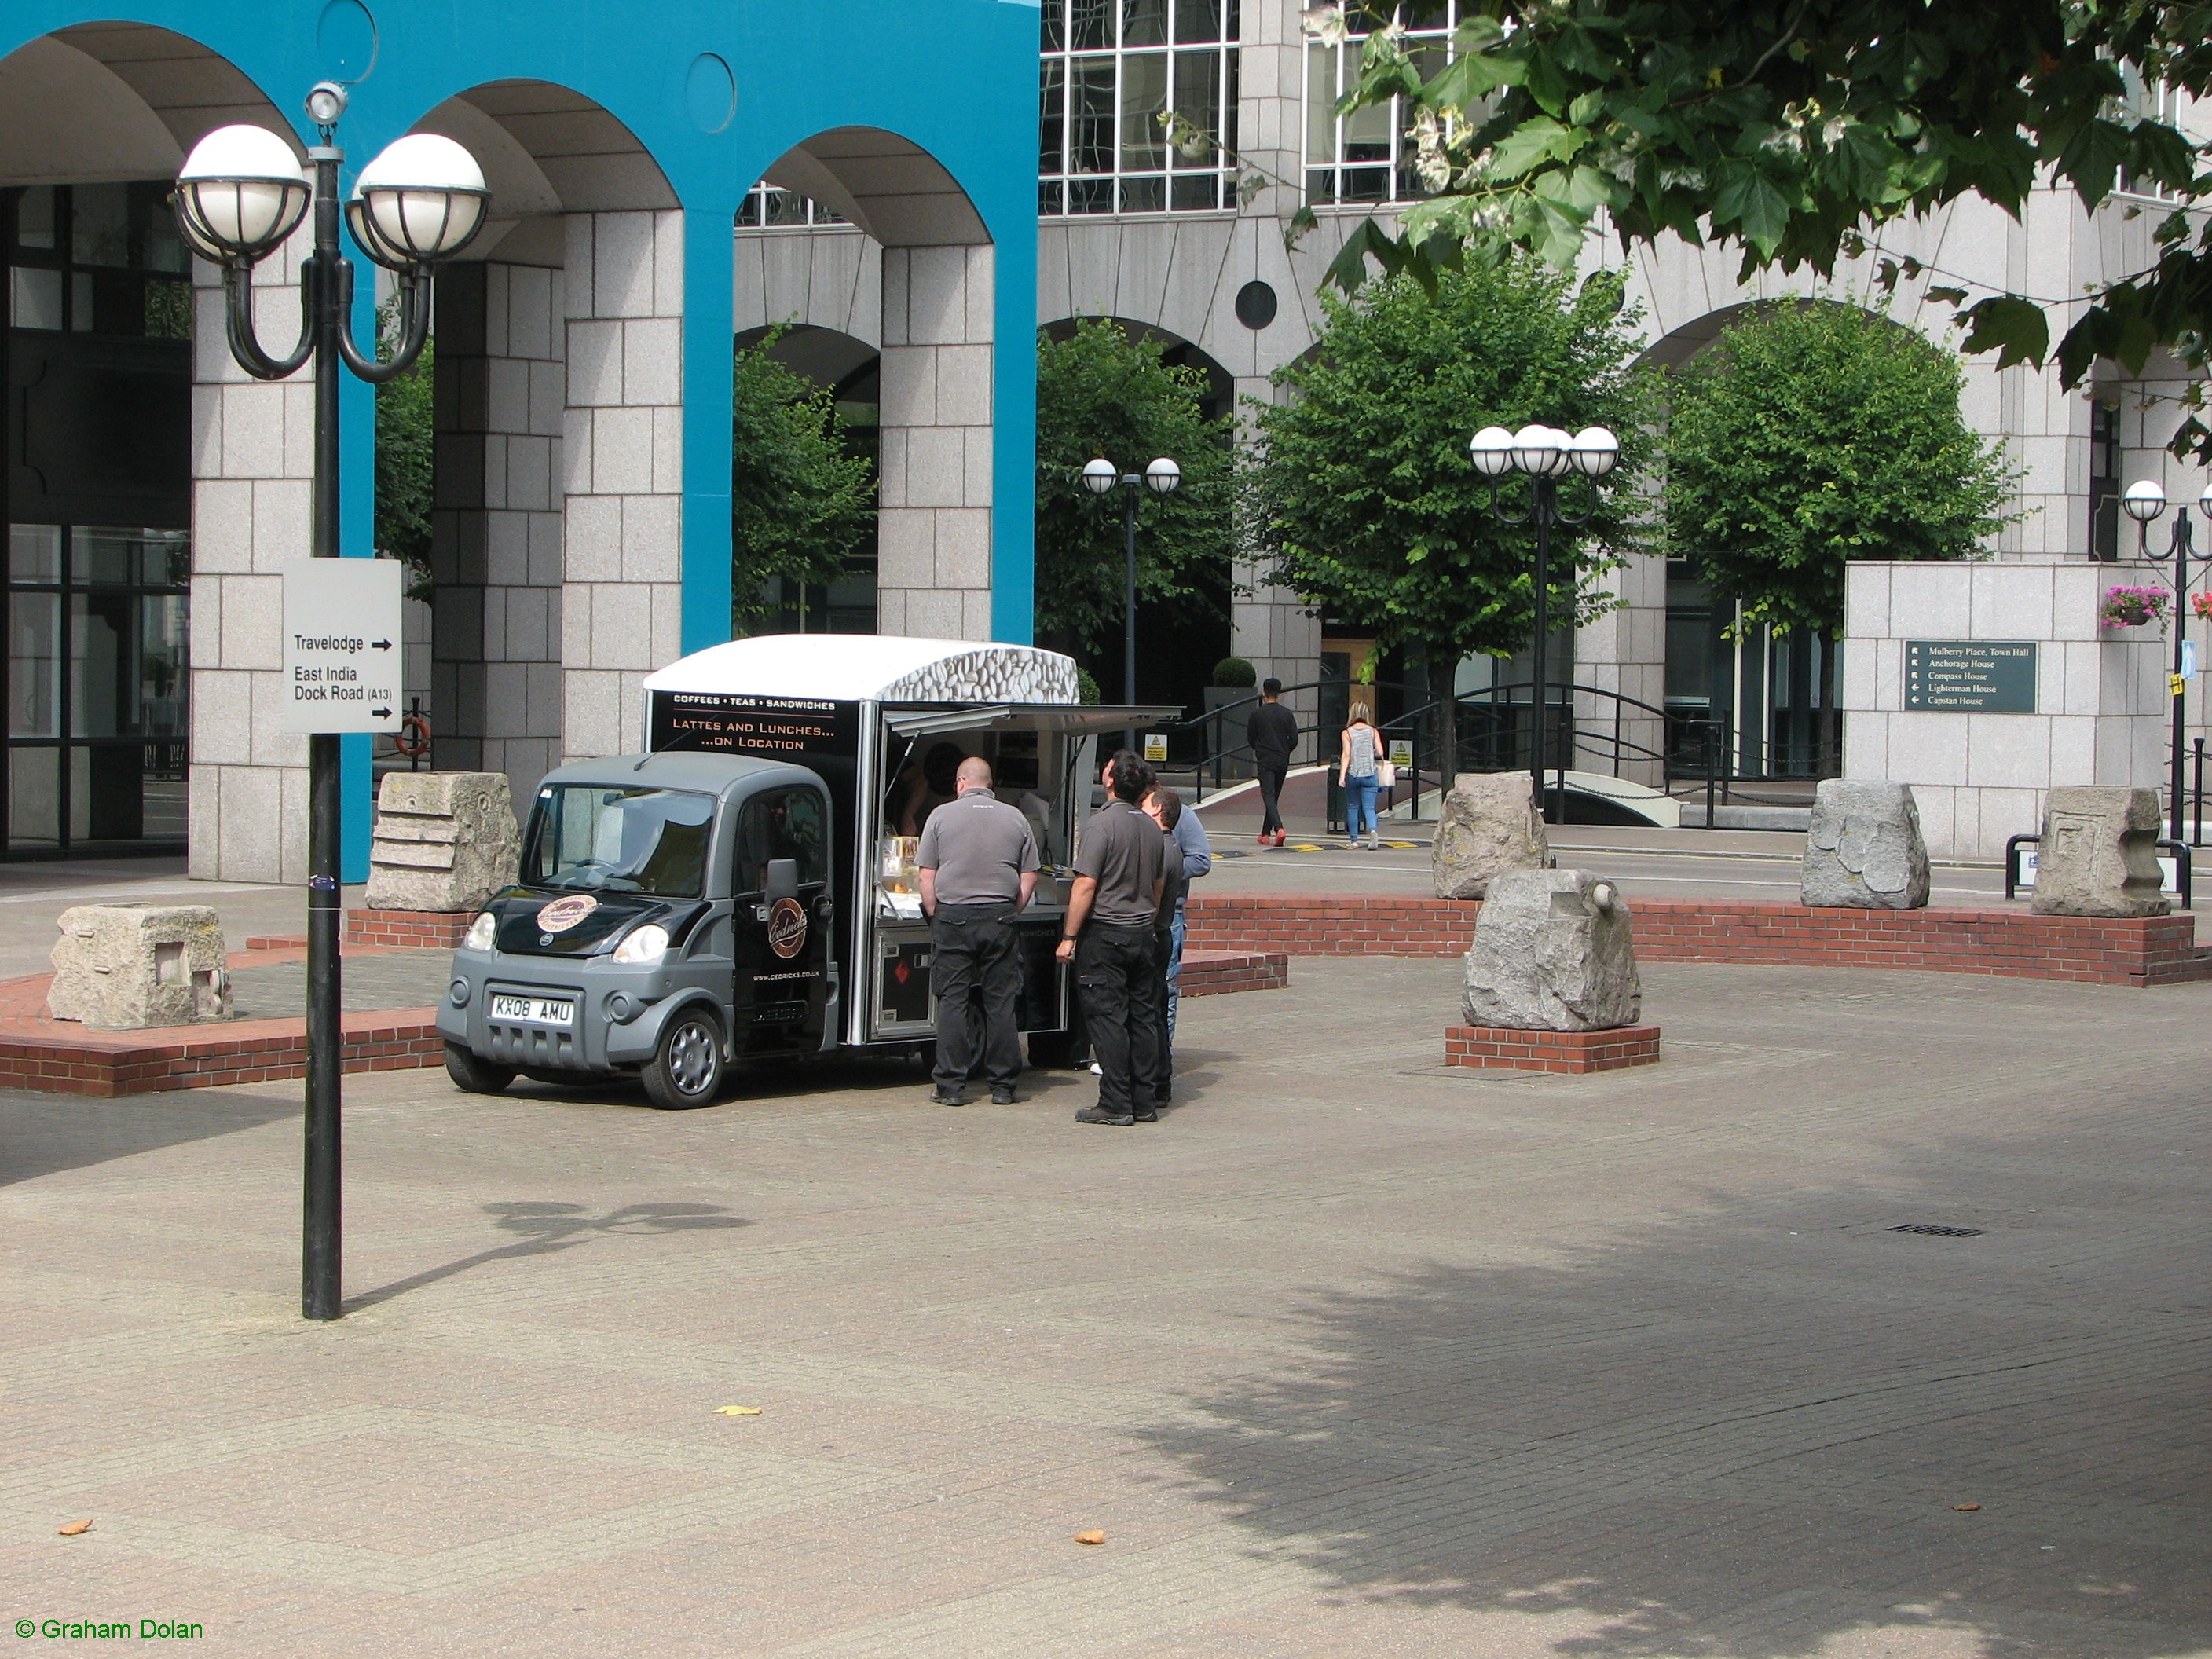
[(1273, 734)]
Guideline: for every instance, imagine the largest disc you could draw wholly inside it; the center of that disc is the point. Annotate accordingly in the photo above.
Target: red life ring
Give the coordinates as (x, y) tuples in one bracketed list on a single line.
[(413, 739)]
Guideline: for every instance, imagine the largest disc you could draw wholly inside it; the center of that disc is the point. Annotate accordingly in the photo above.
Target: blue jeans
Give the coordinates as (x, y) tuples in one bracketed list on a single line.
[(1174, 974), (1360, 806)]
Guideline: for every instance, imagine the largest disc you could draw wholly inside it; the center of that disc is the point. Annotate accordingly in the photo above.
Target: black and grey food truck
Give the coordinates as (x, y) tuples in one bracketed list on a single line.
[(745, 886)]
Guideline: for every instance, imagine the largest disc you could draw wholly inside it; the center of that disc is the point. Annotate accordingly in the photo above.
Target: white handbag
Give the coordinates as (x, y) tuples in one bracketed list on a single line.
[(1385, 774)]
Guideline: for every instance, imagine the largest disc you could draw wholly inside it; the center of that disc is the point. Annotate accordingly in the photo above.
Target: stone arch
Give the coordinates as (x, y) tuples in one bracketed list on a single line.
[(1220, 397), (103, 395), (557, 523), (929, 258)]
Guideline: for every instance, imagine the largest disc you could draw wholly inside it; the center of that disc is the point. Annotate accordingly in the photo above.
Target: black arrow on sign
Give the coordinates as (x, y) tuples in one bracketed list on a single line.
[(380, 645), (379, 713)]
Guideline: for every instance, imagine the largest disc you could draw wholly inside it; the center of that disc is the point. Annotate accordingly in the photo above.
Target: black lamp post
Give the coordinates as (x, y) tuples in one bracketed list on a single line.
[(1545, 454), (240, 195), (1162, 477), (2144, 503)]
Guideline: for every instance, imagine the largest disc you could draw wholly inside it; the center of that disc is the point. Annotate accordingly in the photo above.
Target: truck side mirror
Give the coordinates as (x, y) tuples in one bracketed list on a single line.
[(782, 879)]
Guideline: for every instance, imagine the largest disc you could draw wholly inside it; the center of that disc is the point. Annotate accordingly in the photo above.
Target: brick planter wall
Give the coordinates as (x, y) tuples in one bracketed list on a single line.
[(2152, 951), (409, 930), (1215, 973), (192, 1057), (1500, 1048)]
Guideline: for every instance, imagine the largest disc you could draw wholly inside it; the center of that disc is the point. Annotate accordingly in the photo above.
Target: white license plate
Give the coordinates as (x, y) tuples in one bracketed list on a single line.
[(534, 1011)]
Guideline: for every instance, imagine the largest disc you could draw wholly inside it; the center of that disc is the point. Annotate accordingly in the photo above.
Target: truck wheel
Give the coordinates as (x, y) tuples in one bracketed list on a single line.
[(479, 1077), (686, 1069)]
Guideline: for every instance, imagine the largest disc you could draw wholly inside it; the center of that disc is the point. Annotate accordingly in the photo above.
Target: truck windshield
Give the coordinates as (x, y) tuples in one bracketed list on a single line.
[(630, 840)]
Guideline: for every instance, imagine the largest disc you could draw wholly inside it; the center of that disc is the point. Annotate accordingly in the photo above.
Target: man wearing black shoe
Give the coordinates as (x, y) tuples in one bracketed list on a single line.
[(978, 862), (1273, 732), (1119, 875), (1165, 808)]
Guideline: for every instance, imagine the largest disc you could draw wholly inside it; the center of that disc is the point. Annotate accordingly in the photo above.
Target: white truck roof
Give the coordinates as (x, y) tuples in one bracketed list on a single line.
[(874, 668)]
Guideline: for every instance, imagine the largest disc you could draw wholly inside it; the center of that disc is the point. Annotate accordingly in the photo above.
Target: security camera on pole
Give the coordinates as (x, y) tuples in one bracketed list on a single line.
[(240, 195), (1545, 453), (2145, 502), (1162, 477)]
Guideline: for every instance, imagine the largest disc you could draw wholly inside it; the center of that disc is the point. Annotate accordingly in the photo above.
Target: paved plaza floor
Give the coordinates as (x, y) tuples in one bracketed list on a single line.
[(1349, 1356)]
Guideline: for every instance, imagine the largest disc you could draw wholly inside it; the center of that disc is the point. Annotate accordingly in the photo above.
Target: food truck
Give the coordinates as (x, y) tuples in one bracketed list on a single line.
[(744, 886)]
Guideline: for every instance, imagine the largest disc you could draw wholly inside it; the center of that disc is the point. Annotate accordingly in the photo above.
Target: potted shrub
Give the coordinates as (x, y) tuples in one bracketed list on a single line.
[(1233, 681)]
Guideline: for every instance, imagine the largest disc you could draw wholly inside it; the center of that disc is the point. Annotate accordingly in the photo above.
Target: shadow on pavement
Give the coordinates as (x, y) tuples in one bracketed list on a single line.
[(46, 1135), (1722, 1437), (544, 1228)]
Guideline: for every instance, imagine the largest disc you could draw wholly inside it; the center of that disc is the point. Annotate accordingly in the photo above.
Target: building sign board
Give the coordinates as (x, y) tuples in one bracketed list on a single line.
[(342, 645), (1970, 677)]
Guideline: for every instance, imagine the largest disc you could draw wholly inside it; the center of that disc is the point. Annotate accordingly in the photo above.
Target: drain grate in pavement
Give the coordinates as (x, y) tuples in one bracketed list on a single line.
[(1930, 1230)]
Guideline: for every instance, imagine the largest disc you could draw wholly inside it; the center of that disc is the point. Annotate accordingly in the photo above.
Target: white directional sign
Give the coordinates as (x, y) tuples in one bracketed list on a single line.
[(342, 645)]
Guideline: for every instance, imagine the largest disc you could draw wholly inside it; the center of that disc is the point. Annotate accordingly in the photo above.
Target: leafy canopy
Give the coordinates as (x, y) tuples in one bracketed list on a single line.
[(406, 444), (1368, 504), (1811, 436), (802, 496), (1102, 392), (1790, 128)]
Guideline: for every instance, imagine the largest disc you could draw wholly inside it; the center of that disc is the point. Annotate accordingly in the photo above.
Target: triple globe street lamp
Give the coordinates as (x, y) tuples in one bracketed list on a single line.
[(241, 194), (1545, 454), (1162, 477), (2145, 502)]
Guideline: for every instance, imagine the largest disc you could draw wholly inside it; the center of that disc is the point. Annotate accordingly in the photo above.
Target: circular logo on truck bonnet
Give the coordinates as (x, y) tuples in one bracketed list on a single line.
[(787, 928), (564, 914)]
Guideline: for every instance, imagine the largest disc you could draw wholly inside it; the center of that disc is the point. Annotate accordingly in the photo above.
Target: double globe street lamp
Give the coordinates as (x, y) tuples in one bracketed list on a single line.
[(1162, 477), (241, 194), (2145, 502), (1545, 454)]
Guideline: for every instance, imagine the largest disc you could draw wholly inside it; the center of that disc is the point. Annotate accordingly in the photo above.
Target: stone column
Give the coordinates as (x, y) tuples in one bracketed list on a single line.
[(933, 563), (1625, 651), (495, 530), (253, 499), (622, 462)]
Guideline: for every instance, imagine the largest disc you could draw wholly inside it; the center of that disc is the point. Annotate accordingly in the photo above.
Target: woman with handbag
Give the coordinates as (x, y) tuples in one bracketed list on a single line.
[(1358, 769)]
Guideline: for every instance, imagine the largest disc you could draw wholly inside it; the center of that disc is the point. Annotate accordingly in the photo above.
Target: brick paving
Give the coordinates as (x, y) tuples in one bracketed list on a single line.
[(1353, 1354)]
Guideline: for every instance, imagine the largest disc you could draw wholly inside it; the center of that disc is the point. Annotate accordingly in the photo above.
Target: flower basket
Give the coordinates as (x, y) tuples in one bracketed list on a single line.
[(2133, 607), (2202, 605)]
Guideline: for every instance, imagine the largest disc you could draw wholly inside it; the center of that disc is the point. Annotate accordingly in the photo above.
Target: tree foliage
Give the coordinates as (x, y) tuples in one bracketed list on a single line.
[(1102, 392), (1791, 130), (406, 441), (802, 496), (1367, 502), (1813, 435)]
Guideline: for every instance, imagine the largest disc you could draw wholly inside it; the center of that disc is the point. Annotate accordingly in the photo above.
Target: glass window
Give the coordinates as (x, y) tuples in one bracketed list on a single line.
[(1367, 156), (34, 658), (34, 217), (1103, 86), (100, 224), (34, 553), (35, 798), (783, 824), (34, 297), (771, 207), (595, 836)]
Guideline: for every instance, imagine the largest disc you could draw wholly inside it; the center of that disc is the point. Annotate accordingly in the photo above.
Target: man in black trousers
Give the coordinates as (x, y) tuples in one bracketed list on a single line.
[(1273, 732), (978, 861), (1109, 935)]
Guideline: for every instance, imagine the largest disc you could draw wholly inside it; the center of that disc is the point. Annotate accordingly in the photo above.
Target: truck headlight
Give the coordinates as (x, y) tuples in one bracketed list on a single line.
[(481, 932), (642, 944)]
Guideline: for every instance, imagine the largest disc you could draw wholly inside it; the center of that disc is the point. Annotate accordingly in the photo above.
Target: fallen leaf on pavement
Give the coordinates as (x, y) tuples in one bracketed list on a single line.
[(75, 1528), (736, 1410), (1965, 1508), (1091, 1538)]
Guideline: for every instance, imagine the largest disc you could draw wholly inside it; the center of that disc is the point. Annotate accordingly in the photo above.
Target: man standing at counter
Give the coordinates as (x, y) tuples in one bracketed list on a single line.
[(978, 865), (1107, 935)]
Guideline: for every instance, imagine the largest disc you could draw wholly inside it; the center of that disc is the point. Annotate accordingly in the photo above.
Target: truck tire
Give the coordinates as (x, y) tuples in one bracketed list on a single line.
[(479, 1077), (686, 1067)]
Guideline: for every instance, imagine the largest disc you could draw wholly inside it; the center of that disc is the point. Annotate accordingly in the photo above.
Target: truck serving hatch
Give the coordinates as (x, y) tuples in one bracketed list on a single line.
[(1074, 719)]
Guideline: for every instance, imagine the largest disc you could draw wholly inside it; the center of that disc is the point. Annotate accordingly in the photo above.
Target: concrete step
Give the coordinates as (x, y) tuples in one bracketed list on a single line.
[(1746, 816)]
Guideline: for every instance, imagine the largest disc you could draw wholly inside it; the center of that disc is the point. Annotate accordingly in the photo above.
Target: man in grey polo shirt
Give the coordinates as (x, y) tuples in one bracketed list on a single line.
[(1108, 934), (979, 866)]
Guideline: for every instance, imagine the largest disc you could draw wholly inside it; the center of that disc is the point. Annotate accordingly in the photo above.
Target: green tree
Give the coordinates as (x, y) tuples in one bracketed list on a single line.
[(1792, 130), (1102, 391), (1813, 435), (1367, 503), (405, 468), (802, 494)]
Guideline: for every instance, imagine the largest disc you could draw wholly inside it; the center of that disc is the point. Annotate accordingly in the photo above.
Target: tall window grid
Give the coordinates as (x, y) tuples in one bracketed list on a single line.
[(1367, 156), (1109, 70)]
